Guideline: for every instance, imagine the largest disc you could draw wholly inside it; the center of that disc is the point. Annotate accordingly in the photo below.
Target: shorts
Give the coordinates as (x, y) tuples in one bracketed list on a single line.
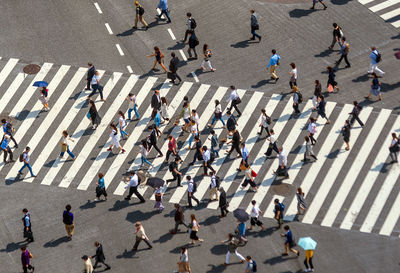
[(186, 120)]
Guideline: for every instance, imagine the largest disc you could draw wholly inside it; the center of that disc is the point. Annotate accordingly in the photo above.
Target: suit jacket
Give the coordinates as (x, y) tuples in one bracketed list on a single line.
[(173, 64), (153, 136), (222, 199), (90, 73), (155, 103), (99, 254)]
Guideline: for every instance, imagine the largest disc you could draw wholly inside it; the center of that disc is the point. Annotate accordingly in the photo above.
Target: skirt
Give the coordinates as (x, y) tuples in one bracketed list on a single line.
[(193, 235), (184, 267), (375, 92)]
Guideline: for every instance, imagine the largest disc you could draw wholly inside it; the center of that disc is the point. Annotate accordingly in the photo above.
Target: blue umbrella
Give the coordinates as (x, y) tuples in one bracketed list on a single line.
[(307, 243), (41, 84)]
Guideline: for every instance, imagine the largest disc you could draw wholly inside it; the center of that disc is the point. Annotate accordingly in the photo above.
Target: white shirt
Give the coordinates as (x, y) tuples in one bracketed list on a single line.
[(394, 141), (213, 181), (132, 101), (282, 158), (164, 110), (95, 79), (65, 140), (190, 186), (184, 257), (312, 127), (272, 139), (26, 157), (264, 121), (194, 128), (114, 136), (293, 73), (206, 156), (143, 151), (189, 23), (255, 211), (196, 118), (234, 95), (122, 122), (133, 182), (186, 113), (218, 109)]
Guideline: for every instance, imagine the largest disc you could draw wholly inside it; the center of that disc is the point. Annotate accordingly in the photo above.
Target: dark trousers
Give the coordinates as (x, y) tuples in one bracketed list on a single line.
[(355, 117), (168, 154), (266, 130), (190, 197), (166, 13), (309, 262), (25, 268), (190, 49), (6, 152), (254, 221), (13, 140), (88, 84), (186, 35), (224, 210), (154, 144), (28, 234), (175, 177), (133, 190), (95, 88), (234, 104), (175, 75), (253, 32), (207, 165), (138, 240), (344, 56), (235, 146), (177, 223), (101, 262), (292, 83), (313, 140), (196, 156), (296, 108), (272, 147)]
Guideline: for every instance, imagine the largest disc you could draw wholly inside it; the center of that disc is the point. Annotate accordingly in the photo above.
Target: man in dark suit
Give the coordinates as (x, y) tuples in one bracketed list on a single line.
[(173, 68), (99, 256), (153, 140), (90, 75), (156, 100), (223, 205)]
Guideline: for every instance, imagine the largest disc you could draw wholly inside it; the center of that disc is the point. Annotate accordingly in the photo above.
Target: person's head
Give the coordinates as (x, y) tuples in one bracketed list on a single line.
[(204, 148), (232, 87), (316, 82), (138, 224), (228, 113), (185, 98), (321, 97), (276, 201), (205, 47), (216, 102), (25, 211), (157, 92), (164, 100), (121, 114), (263, 111), (3, 121), (90, 64), (292, 65), (96, 73), (343, 38), (177, 159), (355, 103), (347, 122), (211, 173), (373, 48), (334, 25), (188, 178), (27, 149), (144, 143), (112, 126), (280, 149), (374, 75), (96, 244), (176, 205), (192, 217), (23, 248), (132, 173), (183, 249), (91, 102), (248, 258), (221, 189), (212, 132), (253, 202), (295, 88), (194, 112), (271, 131), (299, 190), (173, 54), (170, 137), (85, 258), (273, 51), (306, 138), (156, 49), (394, 135), (188, 15), (65, 133), (230, 236), (312, 119), (242, 144), (68, 207), (286, 228), (137, 3), (101, 175), (193, 122), (196, 138), (150, 128), (330, 69), (252, 11)]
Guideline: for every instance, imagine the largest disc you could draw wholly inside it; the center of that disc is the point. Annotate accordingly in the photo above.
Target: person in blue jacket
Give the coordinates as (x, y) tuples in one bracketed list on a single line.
[(163, 6)]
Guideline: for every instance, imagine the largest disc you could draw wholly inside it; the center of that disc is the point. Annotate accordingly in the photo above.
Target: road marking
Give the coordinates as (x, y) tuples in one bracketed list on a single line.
[(183, 55), (129, 69), (269, 211), (383, 5), (195, 77), (365, 1), (11, 91), (391, 14), (358, 163), (391, 218), (109, 28), (172, 34), (98, 7), (7, 69), (119, 50)]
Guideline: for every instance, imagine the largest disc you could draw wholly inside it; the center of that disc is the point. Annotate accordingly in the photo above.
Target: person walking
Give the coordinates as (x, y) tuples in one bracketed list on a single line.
[(25, 157), (198, 155), (5, 147), (193, 42), (65, 145), (308, 261), (171, 148), (241, 232), (191, 25), (185, 114), (322, 108), (153, 140), (176, 174), (179, 218), (223, 204), (207, 53), (100, 188), (26, 220), (233, 244), (26, 257), (94, 115), (235, 100), (194, 133), (133, 185), (254, 25), (312, 130), (214, 143), (376, 58), (337, 34), (317, 93), (163, 6), (293, 75), (296, 99), (273, 64), (8, 130), (322, 3), (139, 16), (158, 197), (251, 265), (272, 144), (173, 68), (217, 114), (87, 264), (43, 99), (68, 220), (115, 139), (184, 266), (346, 134), (245, 153), (254, 216), (132, 106), (159, 58), (331, 84), (301, 202), (157, 120), (394, 148), (144, 150), (248, 178), (375, 88), (213, 193), (207, 160), (99, 256), (235, 143), (282, 168), (355, 114), (194, 228), (192, 188), (122, 125), (230, 123), (156, 101), (289, 242), (96, 86), (344, 51), (90, 74), (140, 236), (265, 121), (309, 151)]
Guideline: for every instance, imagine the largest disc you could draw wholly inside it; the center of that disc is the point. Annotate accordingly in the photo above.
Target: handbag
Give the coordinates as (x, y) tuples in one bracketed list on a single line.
[(158, 197), (88, 115), (253, 173), (330, 88), (64, 147), (99, 190), (256, 27), (237, 100)]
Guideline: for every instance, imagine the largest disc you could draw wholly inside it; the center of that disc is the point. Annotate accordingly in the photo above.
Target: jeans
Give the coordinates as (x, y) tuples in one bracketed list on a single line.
[(292, 83), (166, 13), (95, 88), (6, 152), (296, 108), (191, 139), (29, 167), (215, 119), (215, 150), (123, 132), (253, 32), (133, 109), (138, 240), (144, 159), (69, 152)]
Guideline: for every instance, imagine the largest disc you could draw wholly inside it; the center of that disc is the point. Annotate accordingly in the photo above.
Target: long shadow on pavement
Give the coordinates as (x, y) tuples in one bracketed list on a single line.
[(279, 259), (298, 13), (13, 246), (55, 243)]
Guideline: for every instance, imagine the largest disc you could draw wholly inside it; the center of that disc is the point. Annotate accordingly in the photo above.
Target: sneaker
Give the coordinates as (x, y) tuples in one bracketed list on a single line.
[(123, 151), (96, 199), (213, 69), (109, 149)]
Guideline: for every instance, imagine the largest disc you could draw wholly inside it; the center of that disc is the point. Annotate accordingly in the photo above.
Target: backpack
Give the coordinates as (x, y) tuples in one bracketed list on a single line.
[(378, 57), (171, 166), (141, 10), (21, 157), (67, 219), (300, 97), (194, 187), (254, 266), (347, 48), (196, 42), (193, 24), (212, 157), (268, 120), (217, 181), (282, 207), (9, 127)]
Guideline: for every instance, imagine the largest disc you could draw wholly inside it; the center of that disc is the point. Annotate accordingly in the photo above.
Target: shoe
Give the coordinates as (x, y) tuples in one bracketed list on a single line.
[(127, 198), (276, 80), (307, 270), (252, 38), (225, 264), (285, 254), (34, 176), (146, 28), (143, 201), (312, 8), (133, 28), (328, 122), (191, 164), (347, 66), (109, 149), (96, 199), (134, 249), (259, 39), (242, 261), (160, 155), (325, 7), (298, 253), (123, 151), (213, 70), (107, 268), (202, 68)]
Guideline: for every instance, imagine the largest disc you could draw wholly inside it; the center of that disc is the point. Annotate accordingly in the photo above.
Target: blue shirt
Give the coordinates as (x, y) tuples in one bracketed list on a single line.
[(245, 153), (163, 5), (4, 144), (274, 60), (289, 237), (5, 129), (157, 119), (101, 183), (242, 228), (27, 219), (373, 56)]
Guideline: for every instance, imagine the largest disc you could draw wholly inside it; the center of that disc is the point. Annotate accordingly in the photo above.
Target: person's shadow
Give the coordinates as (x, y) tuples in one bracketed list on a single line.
[(243, 44), (298, 13), (13, 246), (55, 243)]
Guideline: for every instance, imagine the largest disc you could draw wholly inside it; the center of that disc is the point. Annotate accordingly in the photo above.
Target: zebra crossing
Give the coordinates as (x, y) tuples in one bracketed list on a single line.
[(388, 10), (352, 190)]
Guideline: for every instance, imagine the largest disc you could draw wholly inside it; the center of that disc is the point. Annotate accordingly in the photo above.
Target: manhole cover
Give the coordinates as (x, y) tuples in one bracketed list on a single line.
[(281, 189), (31, 69)]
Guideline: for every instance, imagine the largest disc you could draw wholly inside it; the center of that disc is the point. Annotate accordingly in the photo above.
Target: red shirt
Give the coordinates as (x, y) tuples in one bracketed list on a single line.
[(171, 144)]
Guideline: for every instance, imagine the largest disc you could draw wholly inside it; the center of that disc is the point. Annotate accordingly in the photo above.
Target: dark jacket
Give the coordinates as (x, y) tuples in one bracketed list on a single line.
[(155, 103), (321, 107), (25, 258), (193, 41), (222, 199), (179, 216), (173, 64), (94, 115), (231, 123), (90, 73), (236, 138), (99, 254), (153, 136)]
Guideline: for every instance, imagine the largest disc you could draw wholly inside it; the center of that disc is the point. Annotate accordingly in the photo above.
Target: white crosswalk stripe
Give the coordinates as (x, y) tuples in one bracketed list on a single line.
[(386, 10)]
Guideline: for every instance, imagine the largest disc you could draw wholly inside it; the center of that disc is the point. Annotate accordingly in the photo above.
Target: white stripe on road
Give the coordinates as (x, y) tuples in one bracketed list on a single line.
[(354, 171), (396, 24), (391, 218), (383, 5), (368, 181), (119, 50), (231, 174), (183, 55), (11, 91), (391, 14), (195, 77), (109, 29), (129, 69), (333, 172), (172, 34), (365, 1), (98, 7), (269, 211), (7, 69)]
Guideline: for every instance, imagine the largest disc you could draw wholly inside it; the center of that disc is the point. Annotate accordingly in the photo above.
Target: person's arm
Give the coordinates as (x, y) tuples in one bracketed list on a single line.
[(278, 214)]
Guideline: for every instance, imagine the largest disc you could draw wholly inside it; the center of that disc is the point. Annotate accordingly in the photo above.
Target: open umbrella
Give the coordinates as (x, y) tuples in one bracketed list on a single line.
[(241, 215), (40, 84), (155, 182), (307, 243)]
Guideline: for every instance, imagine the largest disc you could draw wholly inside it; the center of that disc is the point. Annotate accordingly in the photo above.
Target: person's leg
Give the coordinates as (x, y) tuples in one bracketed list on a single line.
[(310, 262), (88, 85), (130, 193), (136, 111), (190, 140), (213, 120), (167, 15), (202, 64), (13, 140), (305, 263), (136, 20), (223, 122), (30, 169), (237, 109), (189, 52), (130, 113), (137, 241), (253, 31), (340, 59), (359, 121), (179, 177), (94, 89), (70, 153), (228, 254), (138, 195), (239, 255), (177, 76), (189, 200), (376, 68), (346, 60), (195, 199), (209, 65), (157, 149), (291, 84), (167, 155), (186, 35), (143, 22), (333, 42), (148, 243), (146, 160), (195, 53), (272, 71)]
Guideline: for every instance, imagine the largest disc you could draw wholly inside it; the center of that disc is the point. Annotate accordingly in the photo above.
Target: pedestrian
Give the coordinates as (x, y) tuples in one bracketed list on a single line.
[(301, 202), (65, 145), (122, 124), (193, 42), (321, 108), (235, 100), (90, 74), (308, 261), (282, 168), (185, 114), (25, 157), (156, 101), (315, 1), (337, 34), (94, 115), (133, 185), (194, 228), (273, 64), (233, 244), (173, 68), (176, 174), (376, 58), (214, 143), (159, 58), (208, 158), (194, 133), (331, 84), (293, 75), (251, 265), (289, 242), (87, 264), (317, 93), (132, 106), (153, 140), (157, 120), (99, 256), (171, 148), (231, 122), (241, 232), (296, 99), (184, 266), (164, 109), (346, 134), (207, 53), (100, 188), (235, 143), (344, 51), (43, 99), (144, 150), (26, 257), (312, 130), (223, 204), (245, 155), (355, 114), (254, 216), (115, 139), (309, 151), (179, 218), (214, 186), (217, 114), (139, 16), (254, 26), (96, 86), (272, 144), (375, 88), (248, 178), (191, 25), (198, 155), (6, 149), (278, 212), (8, 130), (158, 197), (163, 6), (26, 220), (192, 188), (265, 121), (68, 220), (140, 235), (394, 148)]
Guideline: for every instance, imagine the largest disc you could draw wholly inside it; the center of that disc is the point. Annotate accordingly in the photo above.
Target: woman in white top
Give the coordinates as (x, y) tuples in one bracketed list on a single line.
[(254, 215), (164, 109), (217, 114), (183, 263), (196, 118), (207, 55), (158, 196), (96, 85), (122, 124), (43, 98), (144, 150), (312, 129), (293, 76), (132, 106), (265, 121), (185, 114), (194, 132), (65, 145), (394, 148), (248, 178), (115, 139), (194, 228)]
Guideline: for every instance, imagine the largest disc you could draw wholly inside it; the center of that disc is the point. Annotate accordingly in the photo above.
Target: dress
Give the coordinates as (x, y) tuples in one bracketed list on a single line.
[(375, 88), (114, 138)]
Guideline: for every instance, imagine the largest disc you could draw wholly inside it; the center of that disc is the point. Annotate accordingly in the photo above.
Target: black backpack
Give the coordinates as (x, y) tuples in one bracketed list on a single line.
[(197, 42), (67, 219), (194, 187), (254, 266), (217, 181), (300, 97), (21, 157), (141, 10), (193, 24), (9, 126), (378, 57)]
